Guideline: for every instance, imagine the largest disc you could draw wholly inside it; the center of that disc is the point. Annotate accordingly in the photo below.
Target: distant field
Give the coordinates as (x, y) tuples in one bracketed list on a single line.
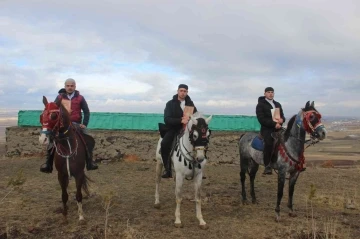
[(6, 122)]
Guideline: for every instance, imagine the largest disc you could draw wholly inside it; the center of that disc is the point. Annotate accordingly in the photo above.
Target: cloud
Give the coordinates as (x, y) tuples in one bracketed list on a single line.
[(131, 55)]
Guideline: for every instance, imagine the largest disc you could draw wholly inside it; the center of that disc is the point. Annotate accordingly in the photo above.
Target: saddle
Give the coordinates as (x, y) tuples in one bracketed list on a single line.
[(258, 142)]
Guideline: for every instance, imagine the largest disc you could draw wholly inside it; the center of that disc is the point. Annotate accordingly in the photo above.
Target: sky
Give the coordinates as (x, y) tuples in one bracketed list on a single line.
[(130, 56)]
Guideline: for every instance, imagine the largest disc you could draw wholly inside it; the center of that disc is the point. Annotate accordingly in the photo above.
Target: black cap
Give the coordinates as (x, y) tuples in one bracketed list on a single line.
[(269, 89), (183, 86)]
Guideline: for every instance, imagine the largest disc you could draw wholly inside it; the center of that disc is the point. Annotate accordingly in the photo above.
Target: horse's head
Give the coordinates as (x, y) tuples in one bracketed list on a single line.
[(199, 134), (51, 119), (310, 120)]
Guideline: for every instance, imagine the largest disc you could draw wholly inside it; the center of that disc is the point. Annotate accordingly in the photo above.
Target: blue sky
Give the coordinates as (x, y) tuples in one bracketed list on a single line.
[(129, 56)]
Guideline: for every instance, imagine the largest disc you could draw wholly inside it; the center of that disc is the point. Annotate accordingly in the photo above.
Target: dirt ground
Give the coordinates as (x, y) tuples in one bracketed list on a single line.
[(326, 199)]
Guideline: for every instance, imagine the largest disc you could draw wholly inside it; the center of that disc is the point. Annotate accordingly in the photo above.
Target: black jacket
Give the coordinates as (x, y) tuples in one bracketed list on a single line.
[(264, 116), (173, 112)]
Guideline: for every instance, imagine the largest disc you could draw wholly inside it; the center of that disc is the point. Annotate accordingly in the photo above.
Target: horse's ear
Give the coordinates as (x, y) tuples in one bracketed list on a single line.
[(194, 121), (307, 105), (312, 104), (207, 120), (45, 101)]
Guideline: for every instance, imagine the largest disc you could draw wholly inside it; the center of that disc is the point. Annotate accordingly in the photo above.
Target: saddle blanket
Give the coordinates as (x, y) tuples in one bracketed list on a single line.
[(257, 143)]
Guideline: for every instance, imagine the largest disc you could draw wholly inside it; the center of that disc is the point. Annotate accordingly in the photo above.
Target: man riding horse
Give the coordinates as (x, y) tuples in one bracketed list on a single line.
[(174, 119), (264, 113), (74, 103)]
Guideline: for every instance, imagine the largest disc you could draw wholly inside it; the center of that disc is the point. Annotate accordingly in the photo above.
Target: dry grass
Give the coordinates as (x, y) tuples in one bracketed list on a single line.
[(131, 233), (121, 205)]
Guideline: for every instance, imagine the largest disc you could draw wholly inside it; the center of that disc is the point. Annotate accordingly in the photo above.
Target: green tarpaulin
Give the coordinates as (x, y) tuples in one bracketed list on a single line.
[(142, 121)]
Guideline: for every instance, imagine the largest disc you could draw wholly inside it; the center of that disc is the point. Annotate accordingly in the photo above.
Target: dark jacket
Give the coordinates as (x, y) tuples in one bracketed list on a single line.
[(173, 112), (78, 103), (264, 116)]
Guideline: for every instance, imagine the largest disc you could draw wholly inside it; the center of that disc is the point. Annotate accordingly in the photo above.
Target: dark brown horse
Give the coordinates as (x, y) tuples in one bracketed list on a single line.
[(70, 150)]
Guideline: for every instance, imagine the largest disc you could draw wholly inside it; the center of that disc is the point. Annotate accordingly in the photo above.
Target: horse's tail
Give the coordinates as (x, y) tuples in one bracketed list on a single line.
[(242, 135), (85, 185)]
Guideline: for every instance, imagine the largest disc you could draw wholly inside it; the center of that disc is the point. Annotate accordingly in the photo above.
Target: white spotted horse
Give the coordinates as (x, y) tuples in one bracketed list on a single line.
[(188, 157)]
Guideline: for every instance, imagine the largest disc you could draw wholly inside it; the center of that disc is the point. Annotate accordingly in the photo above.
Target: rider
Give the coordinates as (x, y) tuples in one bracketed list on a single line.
[(76, 102), (174, 119), (265, 117)]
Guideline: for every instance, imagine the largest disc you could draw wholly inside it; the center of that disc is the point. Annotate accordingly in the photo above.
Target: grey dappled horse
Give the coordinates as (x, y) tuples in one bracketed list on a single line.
[(189, 160), (288, 155)]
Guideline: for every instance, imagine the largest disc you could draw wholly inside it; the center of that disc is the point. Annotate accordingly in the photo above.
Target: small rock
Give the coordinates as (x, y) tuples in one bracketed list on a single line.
[(350, 204)]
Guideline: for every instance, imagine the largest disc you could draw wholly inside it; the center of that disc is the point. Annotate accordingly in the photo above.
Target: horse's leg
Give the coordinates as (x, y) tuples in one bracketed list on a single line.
[(243, 171), (178, 190), (253, 170), (157, 182), (281, 183), (292, 182), (64, 182), (79, 182), (197, 186)]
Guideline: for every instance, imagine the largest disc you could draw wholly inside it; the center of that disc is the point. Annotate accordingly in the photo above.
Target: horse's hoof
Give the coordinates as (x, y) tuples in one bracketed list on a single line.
[(292, 214), (254, 202), (204, 227), (178, 225), (157, 206), (245, 202), (81, 218), (277, 219)]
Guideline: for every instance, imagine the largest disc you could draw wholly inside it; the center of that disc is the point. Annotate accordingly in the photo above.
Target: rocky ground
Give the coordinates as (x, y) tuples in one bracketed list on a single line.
[(327, 199)]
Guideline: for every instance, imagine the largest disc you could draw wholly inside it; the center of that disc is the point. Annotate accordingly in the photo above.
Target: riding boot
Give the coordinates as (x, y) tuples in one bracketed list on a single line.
[(90, 165), (267, 160), (167, 165), (47, 167)]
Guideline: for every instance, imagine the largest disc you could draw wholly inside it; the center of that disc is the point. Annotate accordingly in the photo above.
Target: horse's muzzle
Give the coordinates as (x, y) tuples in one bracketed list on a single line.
[(199, 153), (319, 133), (43, 139)]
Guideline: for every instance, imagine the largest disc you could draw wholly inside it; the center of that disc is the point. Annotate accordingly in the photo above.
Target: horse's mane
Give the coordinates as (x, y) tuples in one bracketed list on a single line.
[(288, 128), (66, 113)]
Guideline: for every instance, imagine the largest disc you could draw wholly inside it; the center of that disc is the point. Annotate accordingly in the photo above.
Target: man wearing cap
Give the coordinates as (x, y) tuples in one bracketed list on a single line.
[(174, 119), (75, 103), (264, 115)]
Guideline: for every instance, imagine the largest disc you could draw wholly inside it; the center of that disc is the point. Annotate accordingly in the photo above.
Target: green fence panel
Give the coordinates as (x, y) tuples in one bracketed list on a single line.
[(29, 118), (142, 121)]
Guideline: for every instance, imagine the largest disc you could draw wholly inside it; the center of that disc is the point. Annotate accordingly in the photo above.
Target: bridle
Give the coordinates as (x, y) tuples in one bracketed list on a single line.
[(52, 120), (199, 137), (310, 123)]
